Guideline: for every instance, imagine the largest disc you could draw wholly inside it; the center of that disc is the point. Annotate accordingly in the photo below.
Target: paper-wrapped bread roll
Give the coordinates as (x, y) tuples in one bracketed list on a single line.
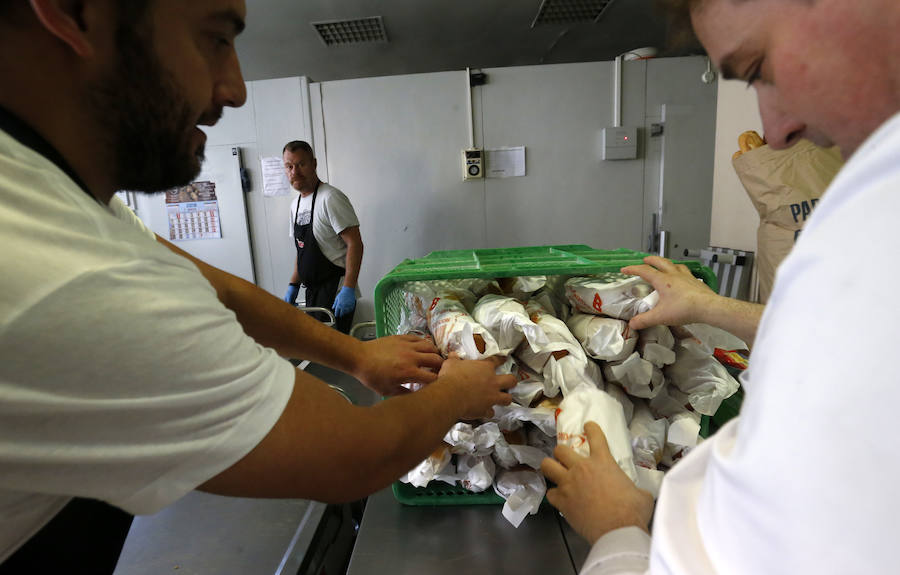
[(586, 404), (455, 331), (648, 436), (431, 468), (638, 376), (559, 338), (698, 374), (508, 323), (612, 294), (523, 286), (603, 338)]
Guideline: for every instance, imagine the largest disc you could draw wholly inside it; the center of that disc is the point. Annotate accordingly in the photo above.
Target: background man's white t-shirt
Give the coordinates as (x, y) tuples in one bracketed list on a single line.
[(334, 214)]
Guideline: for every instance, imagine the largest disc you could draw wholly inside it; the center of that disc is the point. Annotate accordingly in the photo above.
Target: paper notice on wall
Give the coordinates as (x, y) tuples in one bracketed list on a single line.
[(275, 182), (505, 162), (193, 212)]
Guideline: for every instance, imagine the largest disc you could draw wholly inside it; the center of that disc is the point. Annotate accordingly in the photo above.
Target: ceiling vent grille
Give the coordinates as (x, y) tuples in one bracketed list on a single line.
[(340, 32), (570, 11)]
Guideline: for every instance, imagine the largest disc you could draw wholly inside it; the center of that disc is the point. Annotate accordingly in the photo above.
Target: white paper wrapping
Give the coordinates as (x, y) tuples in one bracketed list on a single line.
[(543, 441), (454, 329), (565, 373), (522, 287), (712, 338), (657, 354), (463, 438), (657, 334), (603, 338), (559, 338), (650, 480), (638, 376), (706, 381), (527, 391), (592, 404), (523, 491), (429, 469), (619, 395), (684, 429), (475, 473), (648, 437), (512, 416), (507, 322), (612, 294)]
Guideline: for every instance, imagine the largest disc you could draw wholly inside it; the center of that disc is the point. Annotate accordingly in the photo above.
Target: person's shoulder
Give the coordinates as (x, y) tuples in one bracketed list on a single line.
[(327, 189), (333, 194)]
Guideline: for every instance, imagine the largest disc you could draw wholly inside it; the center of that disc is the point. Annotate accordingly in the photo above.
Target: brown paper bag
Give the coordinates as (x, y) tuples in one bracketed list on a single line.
[(784, 186)]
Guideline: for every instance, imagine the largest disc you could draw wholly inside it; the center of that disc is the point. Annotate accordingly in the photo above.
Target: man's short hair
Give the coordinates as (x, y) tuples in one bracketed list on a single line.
[(295, 145)]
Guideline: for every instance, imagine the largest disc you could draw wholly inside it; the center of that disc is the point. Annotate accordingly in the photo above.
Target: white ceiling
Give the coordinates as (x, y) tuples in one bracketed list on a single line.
[(435, 35)]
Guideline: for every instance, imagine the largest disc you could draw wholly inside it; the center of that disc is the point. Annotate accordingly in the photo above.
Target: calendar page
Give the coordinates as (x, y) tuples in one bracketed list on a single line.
[(193, 212)]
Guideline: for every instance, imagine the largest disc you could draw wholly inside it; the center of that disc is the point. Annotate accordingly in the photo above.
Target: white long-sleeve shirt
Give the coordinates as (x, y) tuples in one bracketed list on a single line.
[(804, 481)]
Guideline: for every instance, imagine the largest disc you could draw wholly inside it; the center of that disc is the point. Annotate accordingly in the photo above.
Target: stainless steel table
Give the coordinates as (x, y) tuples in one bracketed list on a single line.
[(451, 540), (203, 534)]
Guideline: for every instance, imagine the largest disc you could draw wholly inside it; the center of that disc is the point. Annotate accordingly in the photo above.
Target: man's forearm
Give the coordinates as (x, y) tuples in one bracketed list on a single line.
[(738, 317), (295, 276), (326, 449), (276, 324), (354, 262)]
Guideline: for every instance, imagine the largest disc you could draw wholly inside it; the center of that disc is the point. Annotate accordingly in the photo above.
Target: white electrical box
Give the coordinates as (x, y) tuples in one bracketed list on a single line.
[(619, 143), (473, 163)]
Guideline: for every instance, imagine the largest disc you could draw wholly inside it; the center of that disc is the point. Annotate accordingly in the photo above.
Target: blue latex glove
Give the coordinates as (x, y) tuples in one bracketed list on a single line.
[(345, 302), (291, 295)]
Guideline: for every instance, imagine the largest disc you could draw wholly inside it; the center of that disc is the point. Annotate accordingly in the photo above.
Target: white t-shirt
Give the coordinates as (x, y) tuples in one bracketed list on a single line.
[(122, 377), (334, 214), (805, 481)]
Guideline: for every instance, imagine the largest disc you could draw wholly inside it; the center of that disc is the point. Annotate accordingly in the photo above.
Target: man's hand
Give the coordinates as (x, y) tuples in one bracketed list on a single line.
[(593, 493), (477, 385), (682, 297), (389, 362), (345, 302)]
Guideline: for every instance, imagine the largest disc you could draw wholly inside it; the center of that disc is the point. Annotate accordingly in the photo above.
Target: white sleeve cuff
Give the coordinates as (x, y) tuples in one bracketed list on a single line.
[(625, 551)]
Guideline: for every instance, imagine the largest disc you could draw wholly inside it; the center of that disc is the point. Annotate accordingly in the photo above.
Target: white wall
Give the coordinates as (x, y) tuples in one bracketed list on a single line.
[(734, 219), (393, 145)]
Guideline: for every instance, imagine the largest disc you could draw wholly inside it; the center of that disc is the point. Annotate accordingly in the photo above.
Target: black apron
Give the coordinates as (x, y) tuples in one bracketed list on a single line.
[(313, 267)]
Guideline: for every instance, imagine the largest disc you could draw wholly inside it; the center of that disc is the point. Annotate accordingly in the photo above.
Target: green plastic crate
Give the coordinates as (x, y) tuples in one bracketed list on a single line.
[(571, 260), (504, 262)]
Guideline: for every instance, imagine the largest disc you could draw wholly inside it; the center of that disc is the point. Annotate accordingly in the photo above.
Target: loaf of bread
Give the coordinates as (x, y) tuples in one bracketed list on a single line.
[(747, 141)]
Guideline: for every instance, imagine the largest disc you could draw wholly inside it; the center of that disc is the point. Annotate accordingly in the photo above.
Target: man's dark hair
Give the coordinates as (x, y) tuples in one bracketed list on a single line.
[(129, 18), (295, 145), (130, 13)]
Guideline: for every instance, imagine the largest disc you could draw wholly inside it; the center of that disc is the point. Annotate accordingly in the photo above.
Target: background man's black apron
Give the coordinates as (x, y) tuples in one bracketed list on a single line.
[(317, 273)]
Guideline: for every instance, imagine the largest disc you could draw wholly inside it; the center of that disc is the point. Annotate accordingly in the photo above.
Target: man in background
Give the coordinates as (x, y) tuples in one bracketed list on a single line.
[(325, 232), (804, 480)]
